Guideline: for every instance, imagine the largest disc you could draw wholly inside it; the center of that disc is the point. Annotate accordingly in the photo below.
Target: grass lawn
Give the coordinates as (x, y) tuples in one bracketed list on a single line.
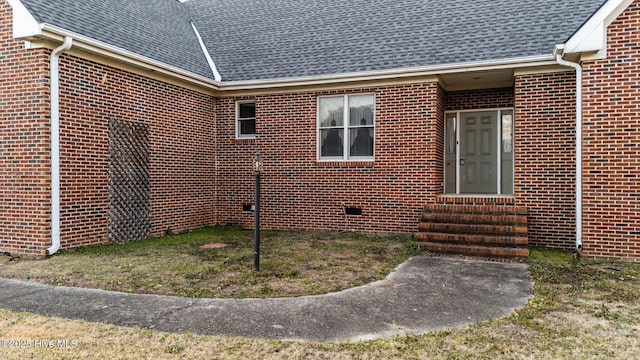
[(586, 310), (292, 264)]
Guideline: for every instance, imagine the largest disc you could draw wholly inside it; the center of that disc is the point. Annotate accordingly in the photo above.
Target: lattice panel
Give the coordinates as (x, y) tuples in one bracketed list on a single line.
[(129, 215)]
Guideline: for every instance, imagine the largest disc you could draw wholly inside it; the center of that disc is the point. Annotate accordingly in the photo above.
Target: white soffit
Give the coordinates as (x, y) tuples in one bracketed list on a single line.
[(478, 80), (24, 24)]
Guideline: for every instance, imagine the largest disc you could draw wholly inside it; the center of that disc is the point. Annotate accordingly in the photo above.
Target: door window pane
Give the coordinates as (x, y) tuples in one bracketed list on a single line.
[(450, 132), (506, 148), (450, 160)]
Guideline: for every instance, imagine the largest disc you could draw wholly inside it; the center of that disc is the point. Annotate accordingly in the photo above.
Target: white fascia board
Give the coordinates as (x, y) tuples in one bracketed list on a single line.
[(207, 55), (532, 61), (119, 54), (24, 24), (592, 35)]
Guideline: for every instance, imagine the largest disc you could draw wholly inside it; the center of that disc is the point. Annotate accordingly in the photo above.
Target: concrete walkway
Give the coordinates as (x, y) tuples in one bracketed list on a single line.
[(422, 295)]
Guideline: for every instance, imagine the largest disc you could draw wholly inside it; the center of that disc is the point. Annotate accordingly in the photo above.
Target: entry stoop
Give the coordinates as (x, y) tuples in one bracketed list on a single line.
[(487, 227)]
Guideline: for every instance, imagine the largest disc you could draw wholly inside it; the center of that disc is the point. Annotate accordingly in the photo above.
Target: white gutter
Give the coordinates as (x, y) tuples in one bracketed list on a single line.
[(520, 62), (114, 52), (54, 82), (578, 175), (99, 47)]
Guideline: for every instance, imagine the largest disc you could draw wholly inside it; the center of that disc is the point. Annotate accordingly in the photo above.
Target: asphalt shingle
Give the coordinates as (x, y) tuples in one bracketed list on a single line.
[(269, 39), (157, 29), (258, 39)]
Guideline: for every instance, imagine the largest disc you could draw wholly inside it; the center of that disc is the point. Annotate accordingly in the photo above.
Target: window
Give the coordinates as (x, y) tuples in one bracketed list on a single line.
[(245, 119), (346, 127)]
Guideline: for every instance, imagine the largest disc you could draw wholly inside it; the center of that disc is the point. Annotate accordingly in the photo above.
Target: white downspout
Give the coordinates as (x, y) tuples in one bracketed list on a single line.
[(578, 69), (54, 82)]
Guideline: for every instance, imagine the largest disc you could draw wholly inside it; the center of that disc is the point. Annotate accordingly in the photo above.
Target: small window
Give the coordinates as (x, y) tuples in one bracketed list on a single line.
[(246, 120), (346, 127)]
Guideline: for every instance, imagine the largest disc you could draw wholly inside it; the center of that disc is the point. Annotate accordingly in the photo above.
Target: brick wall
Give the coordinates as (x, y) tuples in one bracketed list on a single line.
[(201, 174), (612, 144), (182, 140), (301, 193), (24, 144), (479, 99), (545, 156)]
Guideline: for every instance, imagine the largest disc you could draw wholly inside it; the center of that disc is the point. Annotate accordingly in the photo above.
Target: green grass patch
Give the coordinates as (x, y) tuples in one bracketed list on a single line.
[(292, 264)]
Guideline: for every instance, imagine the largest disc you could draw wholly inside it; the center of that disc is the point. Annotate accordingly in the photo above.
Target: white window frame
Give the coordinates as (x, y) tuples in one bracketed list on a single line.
[(239, 119), (346, 127)]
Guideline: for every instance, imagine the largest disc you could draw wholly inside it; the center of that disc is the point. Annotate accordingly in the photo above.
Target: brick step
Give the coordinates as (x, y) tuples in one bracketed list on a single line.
[(475, 209), (467, 239), (475, 250), (476, 229), (455, 218)]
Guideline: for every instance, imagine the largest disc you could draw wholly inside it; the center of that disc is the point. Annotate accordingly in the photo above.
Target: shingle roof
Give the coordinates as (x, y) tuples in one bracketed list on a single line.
[(268, 39), (157, 29), (260, 39)]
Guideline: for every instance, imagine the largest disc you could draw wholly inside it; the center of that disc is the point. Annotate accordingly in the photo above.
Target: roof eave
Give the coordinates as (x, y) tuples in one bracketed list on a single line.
[(512, 63), (56, 34), (590, 40), (129, 57)]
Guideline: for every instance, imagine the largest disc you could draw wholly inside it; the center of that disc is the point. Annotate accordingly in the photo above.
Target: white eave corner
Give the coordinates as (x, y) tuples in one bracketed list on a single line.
[(24, 24), (591, 38), (212, 65)]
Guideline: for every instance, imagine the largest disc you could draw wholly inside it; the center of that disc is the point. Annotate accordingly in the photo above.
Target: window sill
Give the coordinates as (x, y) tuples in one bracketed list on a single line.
[(472, 198), (245, 139)]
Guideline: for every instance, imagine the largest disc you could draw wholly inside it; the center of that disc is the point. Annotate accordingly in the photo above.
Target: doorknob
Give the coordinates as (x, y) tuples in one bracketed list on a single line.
[(461, 161)]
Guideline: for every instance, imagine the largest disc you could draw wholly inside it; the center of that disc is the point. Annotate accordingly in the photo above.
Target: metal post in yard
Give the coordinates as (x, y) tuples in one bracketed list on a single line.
[(257, 169)]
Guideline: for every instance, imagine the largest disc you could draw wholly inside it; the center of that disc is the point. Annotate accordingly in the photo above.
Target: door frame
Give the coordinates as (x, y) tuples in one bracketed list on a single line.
[(457, 113)]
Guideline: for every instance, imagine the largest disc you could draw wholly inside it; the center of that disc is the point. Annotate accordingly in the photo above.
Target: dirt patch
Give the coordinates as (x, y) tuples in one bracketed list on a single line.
[(214, 246)]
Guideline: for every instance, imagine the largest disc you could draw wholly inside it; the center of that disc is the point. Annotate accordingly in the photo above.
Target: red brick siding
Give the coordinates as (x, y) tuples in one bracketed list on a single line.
[(24, 144), (182, 139), (612, 144), (545, 156), (480, 99), (300, 193)]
